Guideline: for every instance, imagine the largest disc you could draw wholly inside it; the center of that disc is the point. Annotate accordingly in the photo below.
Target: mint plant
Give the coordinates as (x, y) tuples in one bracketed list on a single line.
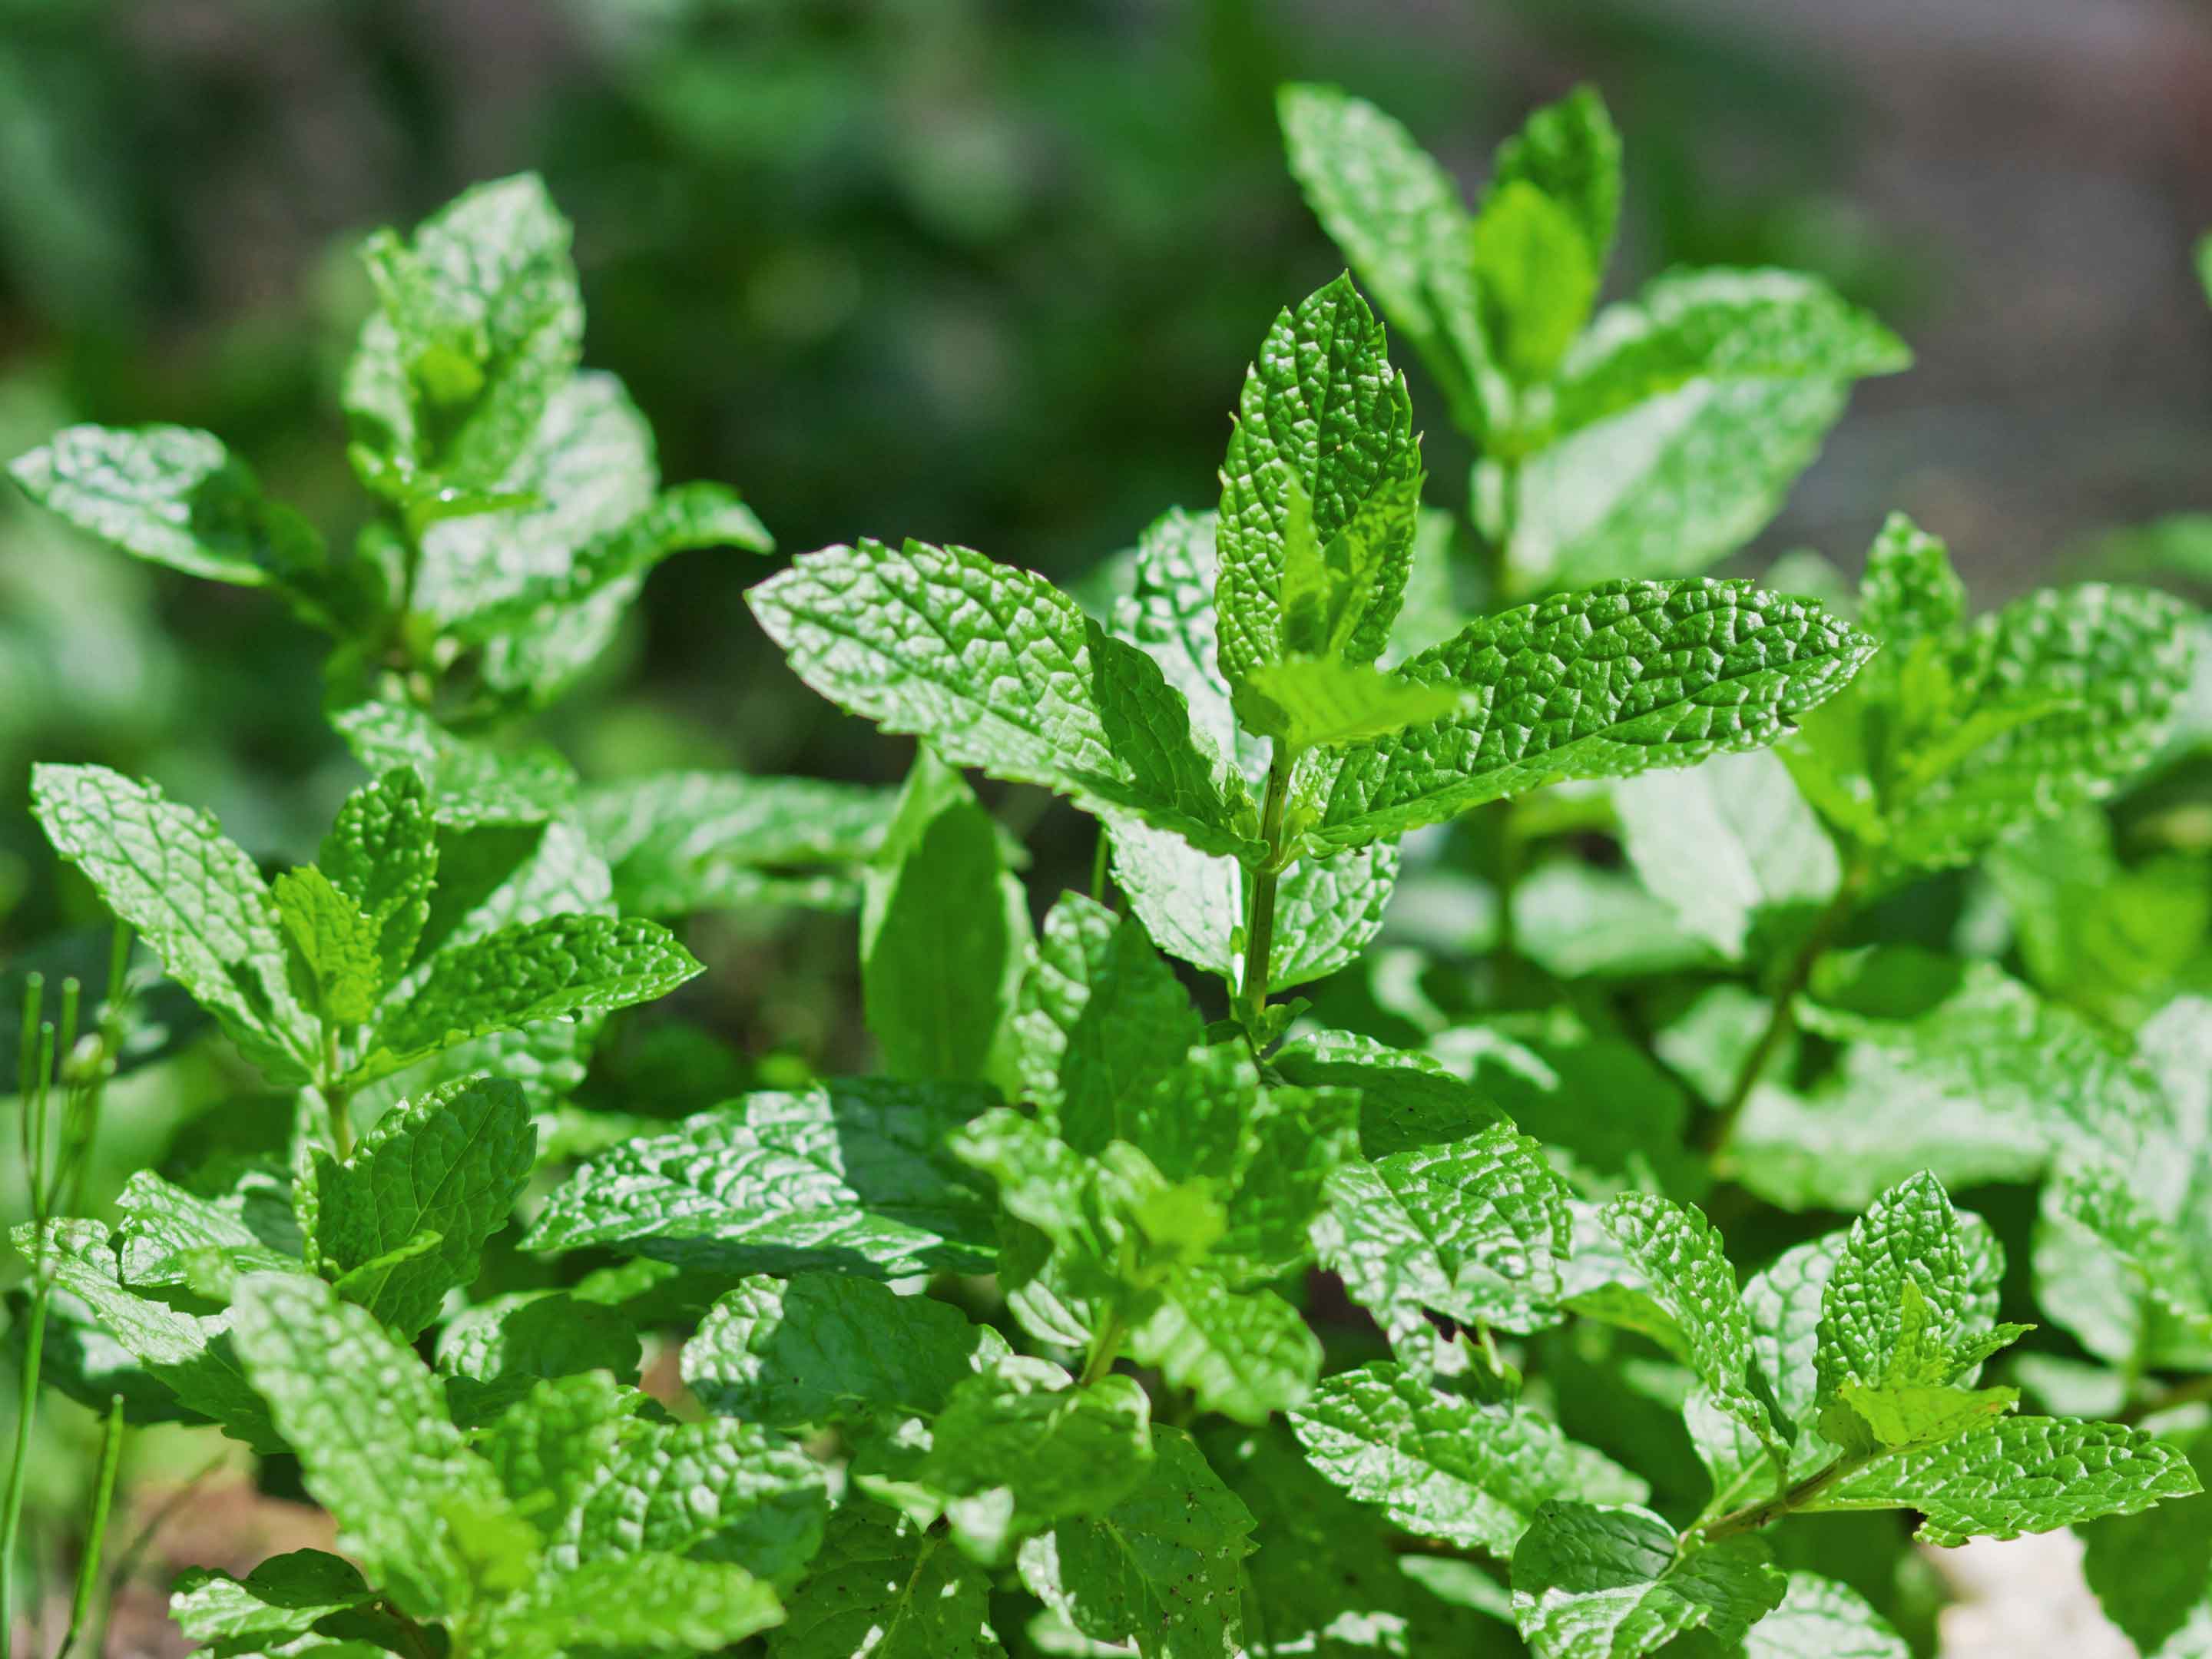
[(1305, 1297)]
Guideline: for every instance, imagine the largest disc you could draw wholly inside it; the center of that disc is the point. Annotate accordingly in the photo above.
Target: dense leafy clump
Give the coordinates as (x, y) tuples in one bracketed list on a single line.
[(1504, 1294)]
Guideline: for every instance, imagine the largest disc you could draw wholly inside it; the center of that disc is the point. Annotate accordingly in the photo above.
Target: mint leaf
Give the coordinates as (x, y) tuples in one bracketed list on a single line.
[(1103, 1020), (1966, 1072), (1159, 1569), (1537, 274), (1819, 1616), (1311, 703), (1324, 425), (1719, 325), (684, 842), (716, 1490), (333, 956), (998, 670), (637, 1604), (1601, 683), (478, 326), (819, 1349), (2152, 1572), (423, 1516), (849, 1174), (1444, 1467), (943, 933), (283, 1597), (1243, 1356), (2018, 1476), (1570, 151), (452, 1163), (1474, 1229), (492, 1353), (381, 853), (1398, 218), (1731, 846), (469, 784), (1909, 590), (1592, 1582), (562, 965), (191, 1356), (1019, 1447), (884, 1587), (1680, 1257), (1408, 1100), (176, 496), (546, 1448), (191, 894), (2094, 676)]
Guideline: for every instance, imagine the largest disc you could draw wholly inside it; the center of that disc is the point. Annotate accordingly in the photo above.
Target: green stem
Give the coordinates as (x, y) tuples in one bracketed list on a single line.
[(1782, 1020), (1098, 868), (336, 1098), (1260, 919), (1754, 1516), (1105, 1348), (103, 1500), (27, 1403)]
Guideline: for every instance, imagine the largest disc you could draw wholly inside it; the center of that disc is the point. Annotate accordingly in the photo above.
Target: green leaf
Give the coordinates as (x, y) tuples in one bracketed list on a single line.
[(1297, 1139), (2018, 1476), (452, 1163), (425, 1519), (1408, 1100), (174, 497), (1678, 481), (1193, 905), (1324, 427), (1474, 1229), (1821, 1616), (469, 784), (2152, 1572), (1592, 1582), (999, 670), (478, 326), (559, 966), (1327, 1579), (677, 520), (1537, 274), (850, 1175), (1570, 151), (1721, 326), (718, 1491), (545, 1449), (192, 1356), (1731, 846), (164, 1228), (2094, 675), (1445, 1467), (494, 1353), (1243, 1356), (820, 1349), (885, 1587), (685, 841), (640, 1603), (1310, 703), (382, 854), (1398, 218), (333, 953), (281, 1598), (1602, 684), (1331, 593), (943, 932), (1964, 1071), (1103, 1020), (1159, 1569), (191, 894), (1910, 590), (1688, 1275), (1019, 1447)]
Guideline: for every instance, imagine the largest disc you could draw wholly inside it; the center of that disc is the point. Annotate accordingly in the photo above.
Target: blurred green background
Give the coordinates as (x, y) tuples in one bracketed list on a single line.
[(990, 273)]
